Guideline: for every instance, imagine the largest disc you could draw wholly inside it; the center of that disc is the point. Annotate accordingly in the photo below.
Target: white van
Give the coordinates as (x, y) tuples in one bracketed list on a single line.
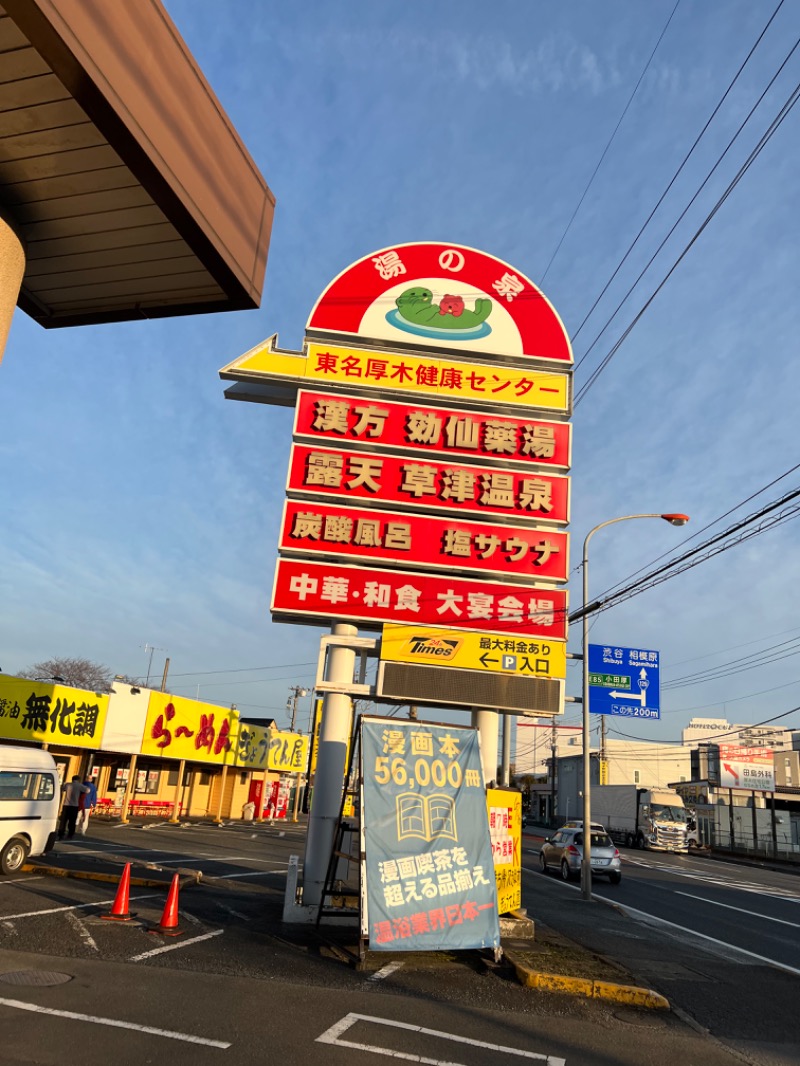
[(29, 795)]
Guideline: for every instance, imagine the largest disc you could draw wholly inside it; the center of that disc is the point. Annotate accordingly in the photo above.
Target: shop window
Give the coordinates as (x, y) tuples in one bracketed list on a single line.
[(205, 777)]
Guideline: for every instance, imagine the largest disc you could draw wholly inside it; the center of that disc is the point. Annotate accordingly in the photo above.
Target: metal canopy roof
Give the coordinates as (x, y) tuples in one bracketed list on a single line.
[(119, 169)]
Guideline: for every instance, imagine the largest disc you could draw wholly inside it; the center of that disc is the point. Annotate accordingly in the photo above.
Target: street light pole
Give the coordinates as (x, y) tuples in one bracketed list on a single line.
[(296, 692), (586, 862)]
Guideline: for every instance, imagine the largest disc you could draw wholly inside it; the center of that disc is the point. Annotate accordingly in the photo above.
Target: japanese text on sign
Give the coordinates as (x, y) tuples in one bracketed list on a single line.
[(426, 838), (374, 596), (387, 480), (422, 541), (432, 429), (34, 711)]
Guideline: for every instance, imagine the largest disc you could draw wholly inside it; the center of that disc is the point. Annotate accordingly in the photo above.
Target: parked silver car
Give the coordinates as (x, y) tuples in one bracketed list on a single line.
[(565, 851)]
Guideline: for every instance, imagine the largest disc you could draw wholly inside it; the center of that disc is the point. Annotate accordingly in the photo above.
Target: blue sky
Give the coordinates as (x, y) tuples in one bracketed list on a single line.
[(140, 507)]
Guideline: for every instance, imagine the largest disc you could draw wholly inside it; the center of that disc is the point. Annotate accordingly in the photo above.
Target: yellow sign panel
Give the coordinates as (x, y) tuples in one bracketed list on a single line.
[(505, 828), (425, 375), (497, 652), (253, 746), (178, 728), (51, 714), (288, 753)]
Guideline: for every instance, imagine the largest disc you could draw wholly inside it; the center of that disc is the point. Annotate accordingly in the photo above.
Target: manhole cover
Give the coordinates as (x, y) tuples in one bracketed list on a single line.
[(35, 977)]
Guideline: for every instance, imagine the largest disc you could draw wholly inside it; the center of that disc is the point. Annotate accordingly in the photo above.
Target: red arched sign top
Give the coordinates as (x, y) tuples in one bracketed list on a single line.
[(435, 295)]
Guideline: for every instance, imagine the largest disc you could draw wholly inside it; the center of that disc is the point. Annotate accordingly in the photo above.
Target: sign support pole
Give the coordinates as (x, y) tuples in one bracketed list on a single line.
[(488, 725), (334, 734), (505, 768)]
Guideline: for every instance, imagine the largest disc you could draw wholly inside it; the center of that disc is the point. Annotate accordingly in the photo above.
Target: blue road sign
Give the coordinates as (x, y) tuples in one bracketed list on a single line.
[(623, 681)]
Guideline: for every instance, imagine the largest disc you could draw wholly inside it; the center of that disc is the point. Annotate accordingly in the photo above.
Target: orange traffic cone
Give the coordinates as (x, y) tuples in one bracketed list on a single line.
[(119, 911), (168, 926)]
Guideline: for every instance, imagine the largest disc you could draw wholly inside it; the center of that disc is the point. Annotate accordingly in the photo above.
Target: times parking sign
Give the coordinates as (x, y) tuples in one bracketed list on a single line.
[(624, 682)]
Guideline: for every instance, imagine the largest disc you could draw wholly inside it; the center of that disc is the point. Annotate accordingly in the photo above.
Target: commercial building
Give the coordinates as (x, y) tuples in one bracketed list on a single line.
[(125, 191), (154, 754)]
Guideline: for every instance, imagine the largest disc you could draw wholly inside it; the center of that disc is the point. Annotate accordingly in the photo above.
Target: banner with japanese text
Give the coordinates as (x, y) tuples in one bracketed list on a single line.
[(419, 541), (426, 429), (505, 829), (252, 746), (261, 747), (288, 753), (428, 872), (318, 592), (51, 714), (178, 728), (400, 482)]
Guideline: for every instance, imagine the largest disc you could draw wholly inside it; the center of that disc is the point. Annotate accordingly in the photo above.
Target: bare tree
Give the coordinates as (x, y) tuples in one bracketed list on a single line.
[(80, 673)]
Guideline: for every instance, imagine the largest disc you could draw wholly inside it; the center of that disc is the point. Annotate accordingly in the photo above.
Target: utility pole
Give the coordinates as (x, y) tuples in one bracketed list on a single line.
[(150, 648), (291, 704), (553, 773)]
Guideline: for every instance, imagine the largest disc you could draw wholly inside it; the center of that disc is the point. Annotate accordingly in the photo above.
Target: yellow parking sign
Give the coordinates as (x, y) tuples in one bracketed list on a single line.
[(494, 652)]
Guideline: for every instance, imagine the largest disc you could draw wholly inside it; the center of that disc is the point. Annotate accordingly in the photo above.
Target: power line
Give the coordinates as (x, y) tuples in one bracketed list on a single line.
[(702, 530), (763, 141), (677, 173), (713, 546), (609, 143)]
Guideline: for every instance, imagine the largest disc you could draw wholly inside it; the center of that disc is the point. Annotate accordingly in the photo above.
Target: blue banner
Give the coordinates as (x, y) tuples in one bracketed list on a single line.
[(430, 883)]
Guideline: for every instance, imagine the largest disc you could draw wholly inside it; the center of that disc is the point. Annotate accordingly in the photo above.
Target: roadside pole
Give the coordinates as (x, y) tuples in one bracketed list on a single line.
[(505, 766), (176, 803), (334, 734), (123, 814), (488, 725)]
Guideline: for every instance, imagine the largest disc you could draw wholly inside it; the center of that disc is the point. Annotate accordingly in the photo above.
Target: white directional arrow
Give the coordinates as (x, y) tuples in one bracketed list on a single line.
[(638, 696)]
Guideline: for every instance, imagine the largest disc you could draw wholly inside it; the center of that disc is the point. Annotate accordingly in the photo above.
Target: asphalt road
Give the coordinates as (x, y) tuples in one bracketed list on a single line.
[(239, 987), (720, 940)]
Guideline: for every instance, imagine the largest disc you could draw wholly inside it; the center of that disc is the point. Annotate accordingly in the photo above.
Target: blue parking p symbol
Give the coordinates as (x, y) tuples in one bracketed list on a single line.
[(509, 662)]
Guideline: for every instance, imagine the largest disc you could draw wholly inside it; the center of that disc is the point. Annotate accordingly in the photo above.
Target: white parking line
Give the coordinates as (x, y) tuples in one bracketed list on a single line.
[(331, 1036), (18, 880), (81, 930), (386, 971), (115, 1022), (75, 907), (174, 947)]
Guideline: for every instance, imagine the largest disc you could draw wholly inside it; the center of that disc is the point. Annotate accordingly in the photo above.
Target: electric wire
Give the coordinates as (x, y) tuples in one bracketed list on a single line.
[(609, 143), (677, 173), (773, 127)]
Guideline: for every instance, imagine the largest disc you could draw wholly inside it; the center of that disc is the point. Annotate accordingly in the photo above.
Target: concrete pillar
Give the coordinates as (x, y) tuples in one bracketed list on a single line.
[(12, 267), (488, 725), (334, 734)]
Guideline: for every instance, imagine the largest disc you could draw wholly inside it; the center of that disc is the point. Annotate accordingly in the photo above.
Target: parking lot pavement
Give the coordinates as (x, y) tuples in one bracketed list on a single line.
[(231, 921)]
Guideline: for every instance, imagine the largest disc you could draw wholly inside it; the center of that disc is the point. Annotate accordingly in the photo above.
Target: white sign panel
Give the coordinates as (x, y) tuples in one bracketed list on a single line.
[(746, 768)]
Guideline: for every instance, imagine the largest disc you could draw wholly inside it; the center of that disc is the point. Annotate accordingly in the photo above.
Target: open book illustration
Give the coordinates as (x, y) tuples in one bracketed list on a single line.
[(426, 817)]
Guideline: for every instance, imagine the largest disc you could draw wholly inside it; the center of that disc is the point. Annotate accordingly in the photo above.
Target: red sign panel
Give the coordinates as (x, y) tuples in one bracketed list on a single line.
[(320, 592), (523, 553), (391, 481), (442, 295), (427, 429)]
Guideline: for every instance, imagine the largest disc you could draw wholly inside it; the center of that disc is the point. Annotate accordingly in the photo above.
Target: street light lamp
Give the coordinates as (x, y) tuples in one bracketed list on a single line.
[(586, 863)]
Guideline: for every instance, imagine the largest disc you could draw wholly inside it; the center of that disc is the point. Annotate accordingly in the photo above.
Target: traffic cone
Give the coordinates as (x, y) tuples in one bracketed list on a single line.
[(119, 912), (168, 926)]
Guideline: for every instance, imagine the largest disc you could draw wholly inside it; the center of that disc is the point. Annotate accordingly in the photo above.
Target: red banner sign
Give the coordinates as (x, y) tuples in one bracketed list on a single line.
[(421, 541), (327, 592), (392, 481), (426, 429)]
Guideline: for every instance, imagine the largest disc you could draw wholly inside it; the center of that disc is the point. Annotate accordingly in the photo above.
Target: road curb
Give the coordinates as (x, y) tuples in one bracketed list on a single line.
[(111, 879), (631, 995)]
